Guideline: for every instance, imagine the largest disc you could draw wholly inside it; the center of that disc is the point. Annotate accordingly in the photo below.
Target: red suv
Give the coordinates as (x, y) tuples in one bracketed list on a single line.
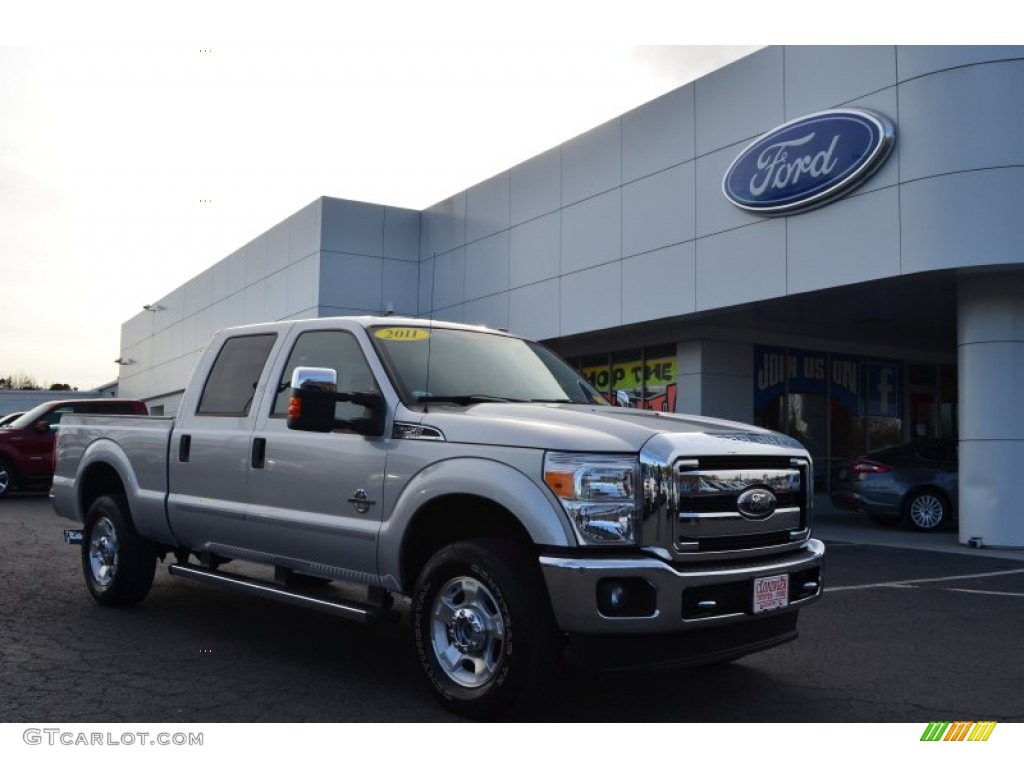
[(26, 444)]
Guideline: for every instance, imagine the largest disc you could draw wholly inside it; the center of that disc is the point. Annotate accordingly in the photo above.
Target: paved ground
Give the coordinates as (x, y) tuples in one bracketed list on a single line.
[(853, 527), (903, 635)]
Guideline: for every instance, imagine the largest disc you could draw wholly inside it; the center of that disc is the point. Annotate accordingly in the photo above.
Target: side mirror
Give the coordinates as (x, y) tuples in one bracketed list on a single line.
[(319, 379), (314, 395)]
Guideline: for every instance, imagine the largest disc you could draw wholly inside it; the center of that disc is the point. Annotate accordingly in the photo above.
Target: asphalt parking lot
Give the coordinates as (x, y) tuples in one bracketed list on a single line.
[(904, 634)]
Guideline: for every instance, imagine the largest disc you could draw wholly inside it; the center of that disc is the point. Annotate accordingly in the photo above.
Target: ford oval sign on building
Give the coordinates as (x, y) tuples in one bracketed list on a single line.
[(809, 162)]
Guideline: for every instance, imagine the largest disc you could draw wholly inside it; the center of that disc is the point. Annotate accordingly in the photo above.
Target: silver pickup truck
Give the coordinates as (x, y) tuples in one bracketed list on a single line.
[(472, 473)]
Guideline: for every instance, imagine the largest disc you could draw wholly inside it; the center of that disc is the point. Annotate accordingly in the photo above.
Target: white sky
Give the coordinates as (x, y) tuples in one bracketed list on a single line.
[(106, 151)]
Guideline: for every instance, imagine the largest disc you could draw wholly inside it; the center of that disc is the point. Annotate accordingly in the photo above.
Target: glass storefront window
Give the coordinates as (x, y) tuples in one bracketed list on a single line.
[(791, 396), (596, 370), (808, 407), (885, 404), (837, 406), (635, 378), (660, 378), (846, 407), (947, 401), (922, 375), (627, 385), (771, 372)]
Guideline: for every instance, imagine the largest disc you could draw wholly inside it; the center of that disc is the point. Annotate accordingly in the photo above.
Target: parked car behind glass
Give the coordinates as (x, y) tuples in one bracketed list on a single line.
[(915, 481)]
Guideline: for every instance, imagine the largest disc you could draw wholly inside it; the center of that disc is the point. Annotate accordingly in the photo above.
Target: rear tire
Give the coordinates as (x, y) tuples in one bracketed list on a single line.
[(484, 630), (117, 562), (927, 510)]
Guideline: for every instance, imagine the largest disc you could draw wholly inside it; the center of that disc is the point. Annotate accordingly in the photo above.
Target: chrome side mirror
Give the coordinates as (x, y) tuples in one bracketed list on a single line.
[(319, 379), (314, 395)]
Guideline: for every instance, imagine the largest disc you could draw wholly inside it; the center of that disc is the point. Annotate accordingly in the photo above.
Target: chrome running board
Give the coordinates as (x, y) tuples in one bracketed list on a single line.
[(346, 609)]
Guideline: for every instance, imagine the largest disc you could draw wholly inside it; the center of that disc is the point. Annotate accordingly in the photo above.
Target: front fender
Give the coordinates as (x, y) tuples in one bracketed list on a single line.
[(536, 508)]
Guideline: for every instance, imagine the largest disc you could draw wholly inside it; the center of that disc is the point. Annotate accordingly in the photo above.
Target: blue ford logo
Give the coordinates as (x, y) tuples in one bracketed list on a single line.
[(809, 162), (756, 503)]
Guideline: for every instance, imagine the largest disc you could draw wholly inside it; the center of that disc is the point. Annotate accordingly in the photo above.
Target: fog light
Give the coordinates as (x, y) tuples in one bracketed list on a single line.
[(626, 597), (616, 596), (611, 597)]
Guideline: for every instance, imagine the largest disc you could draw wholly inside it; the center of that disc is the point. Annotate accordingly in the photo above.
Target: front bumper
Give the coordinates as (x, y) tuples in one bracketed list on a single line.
[(685, 597)]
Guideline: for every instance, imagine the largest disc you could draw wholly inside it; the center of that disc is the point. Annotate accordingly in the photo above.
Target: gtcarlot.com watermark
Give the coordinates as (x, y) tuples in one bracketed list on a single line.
[(53, 737)]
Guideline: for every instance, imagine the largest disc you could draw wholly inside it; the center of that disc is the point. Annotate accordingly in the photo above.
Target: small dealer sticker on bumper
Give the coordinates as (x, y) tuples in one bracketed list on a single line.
[(771, 592)]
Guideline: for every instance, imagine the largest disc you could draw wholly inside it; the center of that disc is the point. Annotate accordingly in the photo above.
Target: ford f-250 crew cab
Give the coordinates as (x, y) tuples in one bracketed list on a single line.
[(468, 469)]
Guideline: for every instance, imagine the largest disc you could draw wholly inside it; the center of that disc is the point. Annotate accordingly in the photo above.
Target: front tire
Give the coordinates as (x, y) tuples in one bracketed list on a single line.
[(117, 562), (484, 631), (927, 510)]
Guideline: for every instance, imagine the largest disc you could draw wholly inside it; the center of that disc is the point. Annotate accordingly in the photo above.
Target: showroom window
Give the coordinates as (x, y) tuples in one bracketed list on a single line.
[(642, 378), (837, 406)]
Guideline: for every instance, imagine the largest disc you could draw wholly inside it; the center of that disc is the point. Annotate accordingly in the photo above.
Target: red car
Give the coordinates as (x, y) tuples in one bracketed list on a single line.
[(26, 444)]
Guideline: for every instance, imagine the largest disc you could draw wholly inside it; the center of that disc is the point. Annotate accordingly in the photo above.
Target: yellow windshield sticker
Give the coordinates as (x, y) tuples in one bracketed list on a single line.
[(402, 334)]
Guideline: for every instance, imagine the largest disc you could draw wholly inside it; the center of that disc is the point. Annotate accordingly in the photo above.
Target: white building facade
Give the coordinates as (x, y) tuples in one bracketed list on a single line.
[(895, 310)]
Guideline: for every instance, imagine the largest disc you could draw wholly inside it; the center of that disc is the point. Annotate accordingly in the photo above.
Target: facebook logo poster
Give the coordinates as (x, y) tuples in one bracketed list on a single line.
[(885, 389)]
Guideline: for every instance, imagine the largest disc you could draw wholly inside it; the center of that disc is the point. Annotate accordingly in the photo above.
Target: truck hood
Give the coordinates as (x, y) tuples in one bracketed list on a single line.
[(571, 427)]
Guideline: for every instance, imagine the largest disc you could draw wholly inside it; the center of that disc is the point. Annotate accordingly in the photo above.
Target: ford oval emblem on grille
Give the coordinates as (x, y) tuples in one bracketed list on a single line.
[(756, 503)]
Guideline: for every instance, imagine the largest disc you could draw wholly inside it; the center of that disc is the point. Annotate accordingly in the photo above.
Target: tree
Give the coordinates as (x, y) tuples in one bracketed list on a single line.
[(24, 381), (18, 381)]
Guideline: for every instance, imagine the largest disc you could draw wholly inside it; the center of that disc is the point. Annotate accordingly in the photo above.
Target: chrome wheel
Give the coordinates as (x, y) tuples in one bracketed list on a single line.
[(5, 479), (927, 511), (467, 599), (467, 632), (118, 563), (103, 554)]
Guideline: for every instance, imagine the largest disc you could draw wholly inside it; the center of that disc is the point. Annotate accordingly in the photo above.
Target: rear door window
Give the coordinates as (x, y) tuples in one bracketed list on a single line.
[(232, 382)]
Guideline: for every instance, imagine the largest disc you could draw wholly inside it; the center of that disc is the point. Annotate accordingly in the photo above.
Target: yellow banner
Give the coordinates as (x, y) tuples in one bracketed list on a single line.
[(658, 372)]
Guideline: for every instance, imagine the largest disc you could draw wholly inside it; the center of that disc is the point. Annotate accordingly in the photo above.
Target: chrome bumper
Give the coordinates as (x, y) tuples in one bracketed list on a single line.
[(686, 597)]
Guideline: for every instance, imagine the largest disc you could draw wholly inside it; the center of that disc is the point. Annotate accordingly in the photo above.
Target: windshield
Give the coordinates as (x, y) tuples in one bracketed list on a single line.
[(449, 365), (29, 418)]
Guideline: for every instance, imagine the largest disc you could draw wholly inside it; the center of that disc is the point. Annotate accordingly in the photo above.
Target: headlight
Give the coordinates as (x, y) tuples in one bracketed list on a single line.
[(598, 492)]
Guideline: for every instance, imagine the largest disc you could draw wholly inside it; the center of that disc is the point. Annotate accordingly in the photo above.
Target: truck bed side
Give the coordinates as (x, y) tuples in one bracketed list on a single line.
[(97, 455)]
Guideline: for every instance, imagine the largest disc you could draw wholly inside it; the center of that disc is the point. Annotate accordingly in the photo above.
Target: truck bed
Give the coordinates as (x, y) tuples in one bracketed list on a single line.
[(137, 446)]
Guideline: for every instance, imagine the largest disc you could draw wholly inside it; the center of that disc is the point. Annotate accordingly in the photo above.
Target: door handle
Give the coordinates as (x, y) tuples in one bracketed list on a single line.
[(259, 452), (184, 447)]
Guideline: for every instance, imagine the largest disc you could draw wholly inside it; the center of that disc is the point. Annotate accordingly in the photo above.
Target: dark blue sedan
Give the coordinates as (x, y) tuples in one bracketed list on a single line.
[(914, 482)]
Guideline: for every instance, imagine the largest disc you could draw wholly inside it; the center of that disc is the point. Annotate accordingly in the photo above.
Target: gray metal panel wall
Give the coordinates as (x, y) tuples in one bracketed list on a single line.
[(649, 184)]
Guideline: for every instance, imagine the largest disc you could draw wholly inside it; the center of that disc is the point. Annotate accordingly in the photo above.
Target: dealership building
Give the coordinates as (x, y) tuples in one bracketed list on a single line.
[(826, 241)]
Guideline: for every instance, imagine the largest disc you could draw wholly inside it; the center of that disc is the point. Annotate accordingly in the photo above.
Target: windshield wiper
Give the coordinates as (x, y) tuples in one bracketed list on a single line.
[(465, 399), (545, 400)]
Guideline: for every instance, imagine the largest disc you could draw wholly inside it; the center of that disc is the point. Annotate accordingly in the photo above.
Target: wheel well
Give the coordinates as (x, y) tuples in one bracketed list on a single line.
[(454, 518), (99, 480), (12, 468)]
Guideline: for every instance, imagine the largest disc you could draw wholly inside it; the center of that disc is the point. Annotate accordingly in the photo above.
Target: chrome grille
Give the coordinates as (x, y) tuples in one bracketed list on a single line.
[(692, 508)]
